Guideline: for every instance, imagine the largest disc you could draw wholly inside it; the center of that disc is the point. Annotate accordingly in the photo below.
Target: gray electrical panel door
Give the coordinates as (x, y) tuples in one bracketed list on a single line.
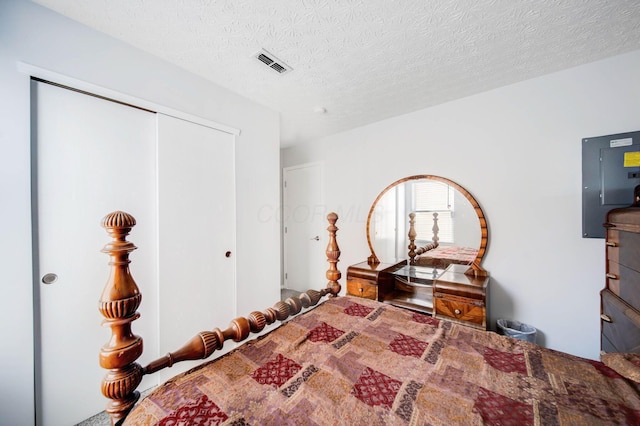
[(610, 172)]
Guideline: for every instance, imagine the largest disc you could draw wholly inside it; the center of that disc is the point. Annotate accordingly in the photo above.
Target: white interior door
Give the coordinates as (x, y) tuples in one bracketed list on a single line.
[(93, 156), (197, 232), (305, 235)]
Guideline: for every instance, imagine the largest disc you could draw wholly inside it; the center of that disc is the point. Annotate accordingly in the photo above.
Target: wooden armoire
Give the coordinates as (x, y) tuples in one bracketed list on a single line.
[(620, 299)]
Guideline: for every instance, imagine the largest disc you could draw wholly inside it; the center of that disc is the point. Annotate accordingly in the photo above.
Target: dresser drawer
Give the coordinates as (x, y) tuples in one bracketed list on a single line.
[(612, 245), (620, 324), (460, 309), (624, 282), (606, 345), (623, 247), (362, 288)]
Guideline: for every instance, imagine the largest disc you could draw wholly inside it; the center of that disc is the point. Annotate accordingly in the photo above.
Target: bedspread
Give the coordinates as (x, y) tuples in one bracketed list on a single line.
[(354, 361), (443, 256)]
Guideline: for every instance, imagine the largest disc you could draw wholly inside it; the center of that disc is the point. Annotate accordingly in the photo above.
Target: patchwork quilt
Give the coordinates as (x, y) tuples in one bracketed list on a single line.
[(353, 361), (443, 256)]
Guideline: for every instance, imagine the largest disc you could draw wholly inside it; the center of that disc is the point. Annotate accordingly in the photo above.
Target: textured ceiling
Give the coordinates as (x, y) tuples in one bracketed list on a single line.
[(364, 60)]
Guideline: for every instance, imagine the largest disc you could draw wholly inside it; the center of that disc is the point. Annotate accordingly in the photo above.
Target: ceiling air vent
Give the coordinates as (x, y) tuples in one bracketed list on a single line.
[(272, 62)]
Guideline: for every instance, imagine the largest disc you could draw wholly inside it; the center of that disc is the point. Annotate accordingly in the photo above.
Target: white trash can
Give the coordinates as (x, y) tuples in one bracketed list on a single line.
[(517, 330)]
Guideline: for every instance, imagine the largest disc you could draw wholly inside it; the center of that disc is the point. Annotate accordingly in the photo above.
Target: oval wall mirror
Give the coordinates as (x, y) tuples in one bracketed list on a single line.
[(446, 224)]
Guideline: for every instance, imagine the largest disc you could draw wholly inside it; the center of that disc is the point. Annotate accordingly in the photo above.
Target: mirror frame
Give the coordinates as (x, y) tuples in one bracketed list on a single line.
[(474, 269)]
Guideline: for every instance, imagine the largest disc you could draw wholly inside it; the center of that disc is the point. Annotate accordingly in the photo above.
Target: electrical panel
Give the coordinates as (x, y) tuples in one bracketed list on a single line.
[(610, 172)]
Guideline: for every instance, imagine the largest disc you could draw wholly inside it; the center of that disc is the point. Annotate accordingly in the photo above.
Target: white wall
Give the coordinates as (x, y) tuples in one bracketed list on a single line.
[(517, 149), (37, 36)]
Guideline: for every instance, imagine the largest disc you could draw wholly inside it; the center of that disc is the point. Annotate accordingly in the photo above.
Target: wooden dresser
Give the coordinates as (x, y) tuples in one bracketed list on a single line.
[(450, 295), (419, 205), (371, 281), (620, 299), (461, 298)]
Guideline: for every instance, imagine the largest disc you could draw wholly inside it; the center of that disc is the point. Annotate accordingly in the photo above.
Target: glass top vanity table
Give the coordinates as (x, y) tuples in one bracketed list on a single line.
[(427, 237)]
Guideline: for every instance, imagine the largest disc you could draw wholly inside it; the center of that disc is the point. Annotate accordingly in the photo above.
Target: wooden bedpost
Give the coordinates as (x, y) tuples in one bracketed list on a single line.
[(414, 250), (118, 304), (435, 229), (412, 238), (333, 255)]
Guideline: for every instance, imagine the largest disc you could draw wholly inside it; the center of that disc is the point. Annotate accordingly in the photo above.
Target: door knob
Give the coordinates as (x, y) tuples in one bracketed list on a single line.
[(317, 238), (49, 278)]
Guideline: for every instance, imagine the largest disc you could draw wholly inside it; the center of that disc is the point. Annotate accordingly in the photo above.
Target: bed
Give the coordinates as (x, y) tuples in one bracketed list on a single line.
[(435, 255), (351, 360)]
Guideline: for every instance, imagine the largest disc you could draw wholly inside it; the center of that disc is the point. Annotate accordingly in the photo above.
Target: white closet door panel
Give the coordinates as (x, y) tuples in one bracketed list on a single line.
[(93, 157), (197, 228)]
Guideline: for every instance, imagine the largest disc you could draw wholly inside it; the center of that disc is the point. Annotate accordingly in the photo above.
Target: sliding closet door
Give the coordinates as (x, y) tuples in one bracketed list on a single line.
[(196, 219), (92, 157)]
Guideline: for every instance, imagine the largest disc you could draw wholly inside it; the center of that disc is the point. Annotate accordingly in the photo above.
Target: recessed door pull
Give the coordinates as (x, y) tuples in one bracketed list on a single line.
[(49, 278)]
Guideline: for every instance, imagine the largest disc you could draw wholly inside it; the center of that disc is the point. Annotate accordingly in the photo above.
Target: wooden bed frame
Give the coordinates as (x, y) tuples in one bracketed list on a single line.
[(414, 250), (121, 298)]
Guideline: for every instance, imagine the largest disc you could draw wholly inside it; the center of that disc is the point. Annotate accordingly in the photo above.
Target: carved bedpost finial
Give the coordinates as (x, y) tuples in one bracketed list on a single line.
[(119, 302), (412, 238), (333, 256)]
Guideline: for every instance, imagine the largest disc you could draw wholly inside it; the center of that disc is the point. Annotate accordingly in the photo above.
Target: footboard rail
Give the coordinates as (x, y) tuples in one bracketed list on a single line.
[(121, 299)]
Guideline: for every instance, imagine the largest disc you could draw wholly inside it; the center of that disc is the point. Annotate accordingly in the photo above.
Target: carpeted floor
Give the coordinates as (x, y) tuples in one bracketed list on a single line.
[(285, 293), (99, 419)]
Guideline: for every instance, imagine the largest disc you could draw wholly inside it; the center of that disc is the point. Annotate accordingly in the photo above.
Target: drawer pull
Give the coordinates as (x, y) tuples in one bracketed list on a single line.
[(457, 311), (361, 289), (611, 244), (605, 318), (612, 276)]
